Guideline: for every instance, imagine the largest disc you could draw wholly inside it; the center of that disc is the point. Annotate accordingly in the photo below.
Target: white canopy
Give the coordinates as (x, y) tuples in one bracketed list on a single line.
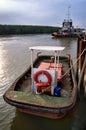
[(47, 48)]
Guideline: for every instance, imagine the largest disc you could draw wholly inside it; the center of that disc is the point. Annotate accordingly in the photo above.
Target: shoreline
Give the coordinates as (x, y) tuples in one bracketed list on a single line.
[(26, 29)]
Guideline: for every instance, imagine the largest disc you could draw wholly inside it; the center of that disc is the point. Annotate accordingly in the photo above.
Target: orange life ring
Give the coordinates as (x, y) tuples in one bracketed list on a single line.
[(47, 75)]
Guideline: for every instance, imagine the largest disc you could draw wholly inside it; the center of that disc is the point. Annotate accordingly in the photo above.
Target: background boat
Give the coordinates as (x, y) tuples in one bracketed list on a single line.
[(67, 30)]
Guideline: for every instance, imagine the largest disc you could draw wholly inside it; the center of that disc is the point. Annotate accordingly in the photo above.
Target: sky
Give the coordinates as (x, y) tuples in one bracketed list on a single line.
[(42, 12)]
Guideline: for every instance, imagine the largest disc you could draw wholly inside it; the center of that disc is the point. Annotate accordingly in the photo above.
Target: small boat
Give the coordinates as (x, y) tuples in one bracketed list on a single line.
[(48, 87)]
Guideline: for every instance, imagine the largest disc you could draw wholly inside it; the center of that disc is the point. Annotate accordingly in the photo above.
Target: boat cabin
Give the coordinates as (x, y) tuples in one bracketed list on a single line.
[(48, 73)]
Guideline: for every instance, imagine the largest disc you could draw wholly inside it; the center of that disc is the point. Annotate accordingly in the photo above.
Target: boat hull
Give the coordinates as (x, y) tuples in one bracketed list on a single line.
[(64, 36), (39, 109), (43, 114), (48, 112)]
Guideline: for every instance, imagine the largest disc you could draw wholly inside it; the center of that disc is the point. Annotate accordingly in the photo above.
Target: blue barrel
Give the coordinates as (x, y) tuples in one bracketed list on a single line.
[(57, 91)]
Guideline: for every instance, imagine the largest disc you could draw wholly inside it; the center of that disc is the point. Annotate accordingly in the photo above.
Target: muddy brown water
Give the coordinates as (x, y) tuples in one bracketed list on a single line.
[(14, 60)]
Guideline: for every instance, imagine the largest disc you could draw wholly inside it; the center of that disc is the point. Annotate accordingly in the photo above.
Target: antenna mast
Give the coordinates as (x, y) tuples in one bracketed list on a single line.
[(69, 13)]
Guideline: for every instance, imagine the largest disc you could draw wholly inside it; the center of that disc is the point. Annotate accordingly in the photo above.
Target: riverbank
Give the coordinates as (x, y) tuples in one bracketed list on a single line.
[(26, 29)]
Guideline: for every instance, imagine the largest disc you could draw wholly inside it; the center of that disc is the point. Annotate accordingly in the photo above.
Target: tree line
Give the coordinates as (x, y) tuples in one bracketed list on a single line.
[(26, 29)]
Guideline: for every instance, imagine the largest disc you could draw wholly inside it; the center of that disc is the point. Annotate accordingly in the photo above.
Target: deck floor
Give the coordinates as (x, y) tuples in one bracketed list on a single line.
[(40, 100), (23, 94)]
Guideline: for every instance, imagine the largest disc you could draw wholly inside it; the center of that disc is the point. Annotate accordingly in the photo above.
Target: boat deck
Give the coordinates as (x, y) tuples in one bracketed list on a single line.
[(22, 94), (39, 100)]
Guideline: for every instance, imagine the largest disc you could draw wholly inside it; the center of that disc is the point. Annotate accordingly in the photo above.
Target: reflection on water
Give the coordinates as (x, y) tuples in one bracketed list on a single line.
[(7, 113), (14, 59), (38, 123)]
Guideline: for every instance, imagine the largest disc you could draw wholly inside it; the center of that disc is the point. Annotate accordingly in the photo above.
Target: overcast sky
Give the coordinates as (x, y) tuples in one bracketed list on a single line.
[(42, 12)]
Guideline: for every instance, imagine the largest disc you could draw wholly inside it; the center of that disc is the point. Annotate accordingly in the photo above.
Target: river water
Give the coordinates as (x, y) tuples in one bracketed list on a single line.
[(14, 60)]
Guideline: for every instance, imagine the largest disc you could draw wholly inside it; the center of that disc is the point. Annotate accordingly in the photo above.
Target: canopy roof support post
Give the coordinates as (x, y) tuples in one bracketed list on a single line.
[(32, 69), (55, 60), (58, 57), (55, 68)]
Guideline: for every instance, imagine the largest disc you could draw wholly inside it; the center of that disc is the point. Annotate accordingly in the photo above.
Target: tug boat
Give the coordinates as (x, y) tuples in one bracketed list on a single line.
[(47, 88), (67, 30)]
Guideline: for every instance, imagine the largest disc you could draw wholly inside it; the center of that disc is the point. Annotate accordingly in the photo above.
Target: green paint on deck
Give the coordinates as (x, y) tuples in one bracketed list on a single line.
[(40, 100)]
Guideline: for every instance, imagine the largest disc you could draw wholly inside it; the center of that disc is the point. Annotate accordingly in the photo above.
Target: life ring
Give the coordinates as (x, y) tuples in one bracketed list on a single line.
[(47, 75)]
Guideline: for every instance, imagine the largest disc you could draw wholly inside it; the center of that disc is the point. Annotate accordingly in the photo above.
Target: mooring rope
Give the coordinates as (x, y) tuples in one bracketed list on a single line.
[(74, 63)]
